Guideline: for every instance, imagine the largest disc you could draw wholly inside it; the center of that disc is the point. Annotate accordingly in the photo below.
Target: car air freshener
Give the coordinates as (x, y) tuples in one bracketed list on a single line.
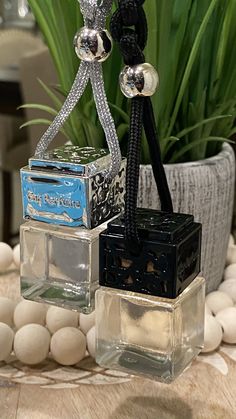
[(63, 186), (70, 187), (150, 307)]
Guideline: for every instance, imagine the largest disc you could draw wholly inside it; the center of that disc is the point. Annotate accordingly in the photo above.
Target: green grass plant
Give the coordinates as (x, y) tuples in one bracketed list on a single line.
[(192, 43)]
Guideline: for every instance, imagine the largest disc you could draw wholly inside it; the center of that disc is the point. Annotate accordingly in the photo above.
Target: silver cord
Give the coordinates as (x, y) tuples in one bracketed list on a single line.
[(72, 99), (94, 13), (105, 117)]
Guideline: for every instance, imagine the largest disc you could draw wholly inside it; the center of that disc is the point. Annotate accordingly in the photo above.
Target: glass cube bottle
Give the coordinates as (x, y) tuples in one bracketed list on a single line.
[(150, 336), (150, 308), (60, 265)]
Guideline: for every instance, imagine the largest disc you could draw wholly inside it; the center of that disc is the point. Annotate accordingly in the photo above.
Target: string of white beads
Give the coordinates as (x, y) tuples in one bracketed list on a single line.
[(220, 309), (33, 331)]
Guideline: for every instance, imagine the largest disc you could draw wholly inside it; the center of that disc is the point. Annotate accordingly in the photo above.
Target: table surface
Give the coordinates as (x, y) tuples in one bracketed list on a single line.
[(206, 390)]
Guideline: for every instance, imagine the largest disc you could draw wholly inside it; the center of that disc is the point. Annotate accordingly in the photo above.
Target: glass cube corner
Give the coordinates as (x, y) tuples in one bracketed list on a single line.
[(149, 336)]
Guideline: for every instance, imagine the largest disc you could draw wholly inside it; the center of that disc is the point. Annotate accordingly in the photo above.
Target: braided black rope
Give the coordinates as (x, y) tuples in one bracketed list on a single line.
[(132, 175), (132, 42)]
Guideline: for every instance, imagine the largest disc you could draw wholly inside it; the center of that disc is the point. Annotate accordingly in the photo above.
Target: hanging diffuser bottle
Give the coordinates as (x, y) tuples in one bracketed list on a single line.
[(150, 307), (69, 188)]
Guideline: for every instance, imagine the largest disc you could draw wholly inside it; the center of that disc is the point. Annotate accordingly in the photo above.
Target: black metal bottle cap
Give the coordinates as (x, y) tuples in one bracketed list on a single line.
[(169, 258)]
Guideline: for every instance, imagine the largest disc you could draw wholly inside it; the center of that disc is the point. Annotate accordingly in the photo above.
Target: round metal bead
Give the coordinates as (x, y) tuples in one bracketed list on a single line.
[(139, 80), (93, 45)]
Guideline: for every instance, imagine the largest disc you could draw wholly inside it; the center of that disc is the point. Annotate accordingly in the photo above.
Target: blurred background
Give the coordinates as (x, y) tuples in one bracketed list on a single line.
[(16, 13), (191, 43), (23, 59)]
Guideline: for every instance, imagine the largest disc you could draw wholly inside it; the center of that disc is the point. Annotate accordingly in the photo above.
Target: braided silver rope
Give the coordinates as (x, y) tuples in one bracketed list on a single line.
[(73, 97), (94, 13)]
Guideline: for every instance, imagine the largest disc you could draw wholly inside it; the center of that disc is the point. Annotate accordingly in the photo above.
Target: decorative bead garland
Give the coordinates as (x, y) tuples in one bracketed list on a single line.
[(33, 331), (220, 308)]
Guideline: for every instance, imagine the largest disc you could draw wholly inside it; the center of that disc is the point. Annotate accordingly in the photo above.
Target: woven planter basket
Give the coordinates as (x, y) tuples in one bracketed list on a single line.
[(206, 190)]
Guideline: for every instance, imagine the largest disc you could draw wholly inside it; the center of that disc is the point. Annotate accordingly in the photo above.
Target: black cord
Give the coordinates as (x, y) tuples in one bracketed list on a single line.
[(155, 154), (132, 43), (132, 174)]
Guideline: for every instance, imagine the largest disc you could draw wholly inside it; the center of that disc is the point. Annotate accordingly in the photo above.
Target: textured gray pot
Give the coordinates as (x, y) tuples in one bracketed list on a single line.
[(206, 190)]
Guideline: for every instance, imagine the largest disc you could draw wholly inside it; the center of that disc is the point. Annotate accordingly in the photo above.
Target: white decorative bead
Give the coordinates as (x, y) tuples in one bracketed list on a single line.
[(208, 311), (93, 45), (16, 255), (31, 344), (139, 80), (68, 346), (230, 272), (86, 322), (231, 255), (91, 342), (212, 334), (27, 312), (57, 318), (6, 341), (7, 308), (6, 256), (218, 300), (229, 288), (227, 320), (231, 240)]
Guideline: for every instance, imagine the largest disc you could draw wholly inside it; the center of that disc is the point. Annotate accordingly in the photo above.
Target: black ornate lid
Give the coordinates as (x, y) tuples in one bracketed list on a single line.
[(160, 226)]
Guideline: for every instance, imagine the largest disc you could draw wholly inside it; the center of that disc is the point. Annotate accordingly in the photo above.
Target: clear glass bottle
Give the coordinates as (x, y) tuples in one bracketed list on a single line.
[(60, 265), (148, 335)]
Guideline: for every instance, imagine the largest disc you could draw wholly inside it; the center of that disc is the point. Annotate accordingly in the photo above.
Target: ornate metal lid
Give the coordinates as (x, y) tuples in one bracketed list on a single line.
[(82, 161), (157, 225)]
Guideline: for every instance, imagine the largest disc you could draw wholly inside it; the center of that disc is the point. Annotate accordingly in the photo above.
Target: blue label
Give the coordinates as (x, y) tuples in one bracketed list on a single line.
[(54, 199)]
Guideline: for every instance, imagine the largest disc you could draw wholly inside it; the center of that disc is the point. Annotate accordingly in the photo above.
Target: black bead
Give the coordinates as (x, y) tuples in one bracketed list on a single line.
[(168, 259)]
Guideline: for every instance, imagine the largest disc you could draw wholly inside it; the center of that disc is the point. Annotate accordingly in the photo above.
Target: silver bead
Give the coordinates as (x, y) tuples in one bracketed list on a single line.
[(93, 45), (139, 80)]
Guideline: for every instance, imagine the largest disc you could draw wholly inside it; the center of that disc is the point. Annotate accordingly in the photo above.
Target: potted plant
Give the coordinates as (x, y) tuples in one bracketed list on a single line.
[(192, 44)]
